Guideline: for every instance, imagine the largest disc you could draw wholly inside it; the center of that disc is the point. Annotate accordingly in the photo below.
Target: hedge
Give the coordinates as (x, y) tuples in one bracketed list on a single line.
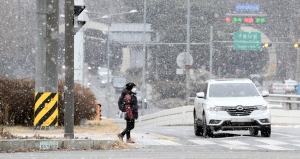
[(17, 102)]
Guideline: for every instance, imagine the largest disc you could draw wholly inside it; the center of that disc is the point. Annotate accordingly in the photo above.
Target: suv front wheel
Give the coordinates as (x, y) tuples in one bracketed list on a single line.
[(197, 129), (253, 131), (206, 130), (265, 131)]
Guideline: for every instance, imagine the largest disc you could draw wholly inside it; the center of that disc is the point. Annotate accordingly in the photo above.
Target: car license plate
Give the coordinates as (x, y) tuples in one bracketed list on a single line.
[(240, 120)]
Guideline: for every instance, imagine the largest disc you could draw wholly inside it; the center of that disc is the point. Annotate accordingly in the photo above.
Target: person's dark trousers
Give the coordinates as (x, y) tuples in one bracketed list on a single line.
[(129, 127)]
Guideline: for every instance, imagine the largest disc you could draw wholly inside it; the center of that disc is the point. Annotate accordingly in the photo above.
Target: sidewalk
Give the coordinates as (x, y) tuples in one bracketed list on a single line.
[(16, 139)]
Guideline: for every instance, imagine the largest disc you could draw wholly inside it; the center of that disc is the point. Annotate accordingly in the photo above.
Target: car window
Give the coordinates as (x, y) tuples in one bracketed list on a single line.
[(233, 90), (120, 80)]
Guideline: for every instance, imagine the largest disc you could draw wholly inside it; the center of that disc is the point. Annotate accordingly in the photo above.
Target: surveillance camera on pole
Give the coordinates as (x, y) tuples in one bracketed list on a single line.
[(78, 24)]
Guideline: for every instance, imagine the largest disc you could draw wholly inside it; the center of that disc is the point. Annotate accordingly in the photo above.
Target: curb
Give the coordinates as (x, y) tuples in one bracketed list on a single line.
[(73, 144)]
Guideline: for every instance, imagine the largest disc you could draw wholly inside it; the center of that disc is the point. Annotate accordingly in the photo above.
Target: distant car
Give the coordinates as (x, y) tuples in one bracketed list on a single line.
[(258, 86), (104, 80), (119, 83), (290, 85), (277, 88), (139, 98), (103, 72), (256, 77), (275, 105)]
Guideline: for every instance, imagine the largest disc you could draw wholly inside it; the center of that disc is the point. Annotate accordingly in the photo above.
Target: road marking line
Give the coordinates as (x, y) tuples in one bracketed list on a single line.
[(297, 145), (238, 147), (272, 142), (296, 141), (273, 147), (159, 135), (170, 130), (167, 142), (283, 134), (202, 142), (234, 142)]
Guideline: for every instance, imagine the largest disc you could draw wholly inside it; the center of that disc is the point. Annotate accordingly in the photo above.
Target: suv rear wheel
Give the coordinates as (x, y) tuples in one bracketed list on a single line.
[(206, 130), (197, 129), (265, 131)]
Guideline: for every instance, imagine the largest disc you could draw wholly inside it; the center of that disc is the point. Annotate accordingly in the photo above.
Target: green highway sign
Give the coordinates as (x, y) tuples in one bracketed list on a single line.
[(247, 41)]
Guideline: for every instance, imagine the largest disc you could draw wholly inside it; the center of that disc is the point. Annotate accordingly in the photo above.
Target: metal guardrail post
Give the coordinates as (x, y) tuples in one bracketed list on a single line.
[(288, 105)]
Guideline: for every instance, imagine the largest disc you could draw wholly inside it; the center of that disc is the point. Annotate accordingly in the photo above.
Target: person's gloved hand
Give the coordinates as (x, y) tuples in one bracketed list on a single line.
[(136, 115)]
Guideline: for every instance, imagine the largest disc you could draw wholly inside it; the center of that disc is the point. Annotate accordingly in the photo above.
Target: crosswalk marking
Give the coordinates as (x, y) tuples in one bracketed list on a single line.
[(237, 147), (297, 145), (271, 142), (234, 142), (296, 141), (167, 142), (273, 147), (283, 134), (202, 142)]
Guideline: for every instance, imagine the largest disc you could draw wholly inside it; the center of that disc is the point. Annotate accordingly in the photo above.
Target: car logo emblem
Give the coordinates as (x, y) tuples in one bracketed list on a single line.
[(239, 108)]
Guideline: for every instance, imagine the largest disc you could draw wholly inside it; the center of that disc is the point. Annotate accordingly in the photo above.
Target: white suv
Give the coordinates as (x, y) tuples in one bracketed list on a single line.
[(231, 104)]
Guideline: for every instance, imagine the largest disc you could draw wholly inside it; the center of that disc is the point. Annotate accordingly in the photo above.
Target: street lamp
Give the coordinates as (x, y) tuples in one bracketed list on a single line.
[(107, 16)]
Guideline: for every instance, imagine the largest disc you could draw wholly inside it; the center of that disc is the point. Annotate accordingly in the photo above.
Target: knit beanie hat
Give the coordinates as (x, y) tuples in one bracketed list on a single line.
[(129, 86)]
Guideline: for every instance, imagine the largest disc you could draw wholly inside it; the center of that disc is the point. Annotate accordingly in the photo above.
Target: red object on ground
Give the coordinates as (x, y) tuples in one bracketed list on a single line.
[(127, 97)]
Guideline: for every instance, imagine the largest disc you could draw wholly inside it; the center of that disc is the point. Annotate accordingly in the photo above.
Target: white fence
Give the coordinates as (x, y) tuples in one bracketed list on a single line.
[(184, 116)]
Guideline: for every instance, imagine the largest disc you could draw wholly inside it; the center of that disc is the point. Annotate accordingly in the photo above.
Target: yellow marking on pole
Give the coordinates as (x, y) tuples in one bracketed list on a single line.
[(47, 119)]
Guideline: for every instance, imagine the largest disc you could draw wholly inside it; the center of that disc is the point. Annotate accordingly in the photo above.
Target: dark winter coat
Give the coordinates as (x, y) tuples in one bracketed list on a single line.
[(133, 106)]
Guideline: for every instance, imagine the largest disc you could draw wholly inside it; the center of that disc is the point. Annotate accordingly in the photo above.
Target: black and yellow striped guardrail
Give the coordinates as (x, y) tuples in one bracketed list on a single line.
[(46, 109)]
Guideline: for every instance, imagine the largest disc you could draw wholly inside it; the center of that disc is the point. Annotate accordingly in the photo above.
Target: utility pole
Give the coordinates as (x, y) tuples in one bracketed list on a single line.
[(211, 51), (46, 77), (187, 66), (40, 60), (108, 58), (144, 58), (72, 25), (69, 73)]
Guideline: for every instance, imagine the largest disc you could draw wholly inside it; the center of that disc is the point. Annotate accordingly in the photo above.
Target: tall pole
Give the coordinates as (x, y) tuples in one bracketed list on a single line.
[(40, 60), (210, 51), (144, 58), (298, 67), (52, 47), (108, 56), (69, 73), (46, 79), (187, 66)]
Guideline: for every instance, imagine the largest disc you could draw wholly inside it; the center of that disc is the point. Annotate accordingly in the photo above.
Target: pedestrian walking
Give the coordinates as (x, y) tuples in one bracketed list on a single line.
[(128, 104)]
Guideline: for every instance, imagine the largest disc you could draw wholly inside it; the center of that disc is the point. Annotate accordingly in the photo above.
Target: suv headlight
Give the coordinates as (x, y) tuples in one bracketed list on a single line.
[(262, 107), (215, 108)]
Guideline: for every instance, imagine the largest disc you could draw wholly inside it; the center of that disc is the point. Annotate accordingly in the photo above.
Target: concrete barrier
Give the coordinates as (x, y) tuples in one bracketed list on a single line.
[(184, 116), (285, 117), (15, 145)]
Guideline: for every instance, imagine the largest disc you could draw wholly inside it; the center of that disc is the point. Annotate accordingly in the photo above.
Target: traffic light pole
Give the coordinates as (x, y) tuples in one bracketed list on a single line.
[(187, 66), (144, 92), (69, 73)]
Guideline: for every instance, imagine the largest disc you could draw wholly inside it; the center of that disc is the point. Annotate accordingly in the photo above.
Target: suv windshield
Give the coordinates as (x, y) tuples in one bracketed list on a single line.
[(233, 90)]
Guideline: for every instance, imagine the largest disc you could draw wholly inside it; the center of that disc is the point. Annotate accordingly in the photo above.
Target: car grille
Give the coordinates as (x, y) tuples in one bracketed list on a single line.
[(247, 110)]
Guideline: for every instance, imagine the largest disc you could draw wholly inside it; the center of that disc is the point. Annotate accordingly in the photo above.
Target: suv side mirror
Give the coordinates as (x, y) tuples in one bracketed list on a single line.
[(265, 93), (200, 95)]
